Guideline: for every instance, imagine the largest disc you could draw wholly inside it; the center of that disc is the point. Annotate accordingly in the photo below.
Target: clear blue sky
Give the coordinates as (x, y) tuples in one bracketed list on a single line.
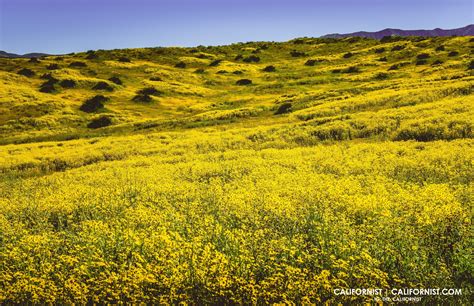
[(62, 26)]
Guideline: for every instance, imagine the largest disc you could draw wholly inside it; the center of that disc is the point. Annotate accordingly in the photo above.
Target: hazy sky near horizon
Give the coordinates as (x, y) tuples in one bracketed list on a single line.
[(63, 26)]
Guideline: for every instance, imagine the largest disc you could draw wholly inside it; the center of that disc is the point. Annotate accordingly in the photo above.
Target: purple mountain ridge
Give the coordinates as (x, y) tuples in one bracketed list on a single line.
[(464, 31), (28, 55)]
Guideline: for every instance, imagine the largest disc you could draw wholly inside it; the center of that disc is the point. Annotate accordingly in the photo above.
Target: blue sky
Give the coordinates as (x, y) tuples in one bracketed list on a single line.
[(62, 26)]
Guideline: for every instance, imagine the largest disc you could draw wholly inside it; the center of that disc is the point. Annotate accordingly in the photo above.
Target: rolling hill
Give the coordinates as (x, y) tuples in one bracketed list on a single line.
[(251, 173)]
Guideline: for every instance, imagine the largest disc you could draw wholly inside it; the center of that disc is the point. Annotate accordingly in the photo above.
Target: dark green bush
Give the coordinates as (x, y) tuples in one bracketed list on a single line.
[(295, 53), (142, 98), (26, 72), (52, 67), (103, 86), (93, 104), (394, 67), (440, 48), (67, 83), (284, 109), (149, 91), (77, 65), (379, 50), (348, 55), (423, 56), (471, 65), (352, 69), (215, 63), (99, 122), (116, 80), (124, 59), (180, 65), (92, 55), (398, 48), (243, 82), (270, 68), (47, 87), (252, 59), (453, 53), (381, 76)]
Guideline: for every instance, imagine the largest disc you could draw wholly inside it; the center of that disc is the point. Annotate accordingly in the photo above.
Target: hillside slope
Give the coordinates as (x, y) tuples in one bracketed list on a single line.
[(253, 173)]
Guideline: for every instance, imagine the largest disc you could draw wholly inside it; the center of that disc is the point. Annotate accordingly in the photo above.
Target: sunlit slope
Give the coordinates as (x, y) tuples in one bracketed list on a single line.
[(327, 84), (249, 174)]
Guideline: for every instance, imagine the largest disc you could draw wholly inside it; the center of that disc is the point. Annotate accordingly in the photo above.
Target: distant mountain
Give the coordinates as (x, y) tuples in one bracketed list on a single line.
[(464, 31), (28, 55)]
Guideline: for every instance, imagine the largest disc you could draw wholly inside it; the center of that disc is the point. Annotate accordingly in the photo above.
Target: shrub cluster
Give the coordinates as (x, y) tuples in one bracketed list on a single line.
[(243, 82), (94, 104), (100, 122)]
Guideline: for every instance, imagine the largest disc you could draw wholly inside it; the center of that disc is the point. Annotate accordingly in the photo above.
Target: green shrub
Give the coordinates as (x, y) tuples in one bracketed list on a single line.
[(252, 59), (180, 65), (423, 56), (243, 82), (381, 76), (93, 104), (26, 72), (348, 55), (91, 55), (270, 68), (116, 80), (67, 83), (142, 98), (284, 109), (53, 67), (124, 59), (471, 65), (151, 91), (295, 53), (47, 87), (398, 48), (394, 67), (215, 63), (77, 65), (352, 69), (99, 122), (103, 86)]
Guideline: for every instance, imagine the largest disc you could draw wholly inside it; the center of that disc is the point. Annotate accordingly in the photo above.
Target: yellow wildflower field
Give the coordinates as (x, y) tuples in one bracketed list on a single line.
[(184, 185)]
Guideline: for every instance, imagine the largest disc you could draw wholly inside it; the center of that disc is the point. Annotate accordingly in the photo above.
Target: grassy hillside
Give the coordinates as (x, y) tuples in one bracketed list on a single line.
[(252, 173)]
